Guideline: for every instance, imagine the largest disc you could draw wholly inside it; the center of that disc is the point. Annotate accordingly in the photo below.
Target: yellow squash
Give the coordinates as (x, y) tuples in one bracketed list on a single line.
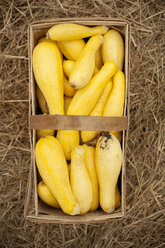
[(90, 165), (108, 159), (117, 197), (98, 59), (80, 181), (69, 165), (67, 101), (46, 196), (71, 48), (113, 48), (68, 139), (85, 64), (97, 111), (52, 166), (115, 103), (71, 31), (48, 72), (68, 90), (44, 132), (68, 67), (41, 101), (85, 99), (44, 39), (96, 70), (117, 134)]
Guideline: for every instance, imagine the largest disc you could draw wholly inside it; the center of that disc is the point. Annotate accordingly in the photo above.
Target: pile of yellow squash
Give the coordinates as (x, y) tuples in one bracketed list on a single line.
[(77, 76)]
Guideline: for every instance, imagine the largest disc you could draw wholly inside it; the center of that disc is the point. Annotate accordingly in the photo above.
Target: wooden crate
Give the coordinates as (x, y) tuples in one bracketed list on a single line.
[(44, 213)]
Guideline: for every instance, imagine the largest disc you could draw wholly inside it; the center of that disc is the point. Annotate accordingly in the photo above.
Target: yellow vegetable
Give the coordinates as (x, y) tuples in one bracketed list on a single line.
[(98, 59), (67, 101), (117, 197), (85, 99), (80, 181), (48, 73), (52, 166), (108, 159), (71, 48), (68, 90), (44, 39), (68, 139), (44, 133), (90, 165), (41, 100), (85, 64), (117, 134), (69, 165), (113, 48), (71, 31), (46, 196), (68, 67), (96, 70), (97, 111), (115, 103)]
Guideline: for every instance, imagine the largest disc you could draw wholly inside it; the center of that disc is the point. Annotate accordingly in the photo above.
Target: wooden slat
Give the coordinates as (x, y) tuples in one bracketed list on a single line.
[(78, 122), (57, 216)]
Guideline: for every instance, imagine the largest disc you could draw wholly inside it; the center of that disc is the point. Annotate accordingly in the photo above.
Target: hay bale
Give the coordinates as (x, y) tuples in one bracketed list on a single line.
[(143, 225)]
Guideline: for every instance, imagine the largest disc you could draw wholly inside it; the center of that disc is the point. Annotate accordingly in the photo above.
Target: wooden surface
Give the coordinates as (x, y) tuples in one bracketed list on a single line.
[(76, 122)]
